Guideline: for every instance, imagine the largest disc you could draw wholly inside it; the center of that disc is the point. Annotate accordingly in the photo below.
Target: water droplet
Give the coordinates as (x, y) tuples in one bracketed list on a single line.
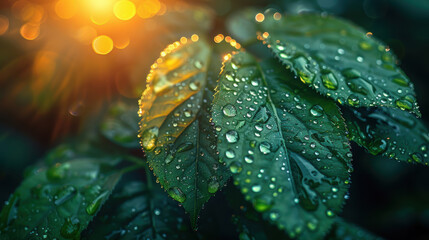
[(303, 70), (417, 157), (274, 216), (359, 85), (329, 213), (256, 188), (149, 138), (231, 136), (312, 225), (353, 100), (351, 73), (177, 194), (261, 205), (377, 146), (187, 113), (229, 77), (213, 186), (198, 64), (316, 111), (194, 86), (70, 228), (404, 104), (248, 159), (262, 115), (265, 148), (401, 81), (364, 45), (230, 154), (57, 172), (169, 158), (235, 167), (93, 207), (64, 194), (229, 110), (184, 147), (330, 81)]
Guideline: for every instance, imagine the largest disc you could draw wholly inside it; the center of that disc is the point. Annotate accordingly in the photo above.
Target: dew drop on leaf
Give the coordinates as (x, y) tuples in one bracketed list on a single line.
[(70, 228), (93, 207), (265, 148), (232, 136), (149, 138), (213, 186), (229, 110), (330, 81), (261, 205), (64, 194), (230, 154), (316, 111), (177, 194), (235, 167)]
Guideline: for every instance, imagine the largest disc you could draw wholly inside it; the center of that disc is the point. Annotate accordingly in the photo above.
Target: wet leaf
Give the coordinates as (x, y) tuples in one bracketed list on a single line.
[(57, 202), (140, 211), (121, 125), (285, 145), (338, 60), (389, 132), (176, 133)]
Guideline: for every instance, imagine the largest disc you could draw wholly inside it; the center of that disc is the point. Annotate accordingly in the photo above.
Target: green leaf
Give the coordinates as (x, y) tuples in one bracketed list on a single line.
[(57, 202), (175, 132), (343, 230), (121, 125), (338, 60), (389, 132), (139, 211), (286, 145)]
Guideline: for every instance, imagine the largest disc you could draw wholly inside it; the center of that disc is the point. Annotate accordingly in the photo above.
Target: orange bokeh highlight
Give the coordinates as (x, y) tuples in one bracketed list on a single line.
[(66, 9), (124, 10), (4, 24), (102, 45), (122, 42), (30, 31), (259, 17), (148, 8)]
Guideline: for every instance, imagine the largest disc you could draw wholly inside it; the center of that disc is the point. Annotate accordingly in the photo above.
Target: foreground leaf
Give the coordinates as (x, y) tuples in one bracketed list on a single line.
[(339, 60), (286, 146), (57, 202), (139, 211), (389, 132), (175, 132), (121, 125)]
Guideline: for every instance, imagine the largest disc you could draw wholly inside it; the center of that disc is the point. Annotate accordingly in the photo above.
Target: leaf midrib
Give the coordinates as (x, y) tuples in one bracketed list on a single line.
[(277, 118)]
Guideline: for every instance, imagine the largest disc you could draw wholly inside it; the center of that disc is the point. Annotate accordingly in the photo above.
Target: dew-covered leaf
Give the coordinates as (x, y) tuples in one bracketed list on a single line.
[(342, 230), (338, 59), (286, 146), (139, 211), (389, 132), (175, 130), (57, 202), (121, 125)]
